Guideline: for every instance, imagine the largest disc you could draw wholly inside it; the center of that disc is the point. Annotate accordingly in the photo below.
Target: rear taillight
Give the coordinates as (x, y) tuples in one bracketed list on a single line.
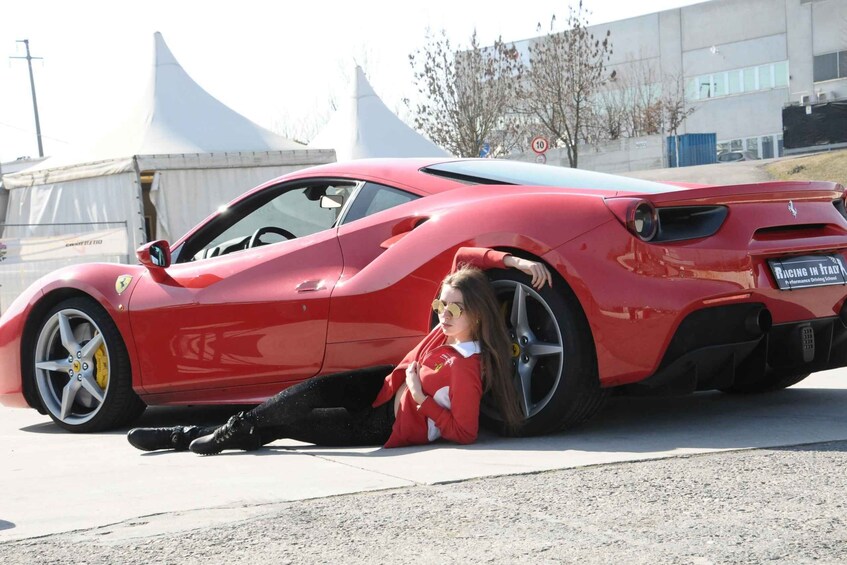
[(841, 204), (639, 216), (644, 222), (669, 223)]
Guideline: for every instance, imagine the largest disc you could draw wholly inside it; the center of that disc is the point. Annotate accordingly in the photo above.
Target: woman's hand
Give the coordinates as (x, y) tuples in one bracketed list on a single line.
[(413, 382), (538, 271)]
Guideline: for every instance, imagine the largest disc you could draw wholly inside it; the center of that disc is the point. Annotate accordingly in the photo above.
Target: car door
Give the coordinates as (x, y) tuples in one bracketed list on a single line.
[(379, 312), (246, 301)]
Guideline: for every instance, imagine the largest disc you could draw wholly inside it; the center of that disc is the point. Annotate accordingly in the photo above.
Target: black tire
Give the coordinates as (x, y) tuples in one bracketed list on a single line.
[(769, 383), (80, 368), (563, 388)]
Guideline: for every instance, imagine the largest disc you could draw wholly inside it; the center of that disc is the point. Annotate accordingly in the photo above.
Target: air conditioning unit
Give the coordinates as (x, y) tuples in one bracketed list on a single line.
[(825, 96), (805, 99)]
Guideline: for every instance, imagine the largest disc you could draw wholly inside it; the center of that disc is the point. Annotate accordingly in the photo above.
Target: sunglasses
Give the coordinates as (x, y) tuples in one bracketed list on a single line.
[(452, 308)]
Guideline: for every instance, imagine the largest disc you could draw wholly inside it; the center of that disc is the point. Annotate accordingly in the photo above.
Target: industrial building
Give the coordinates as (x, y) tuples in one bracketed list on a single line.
[(742, 62)]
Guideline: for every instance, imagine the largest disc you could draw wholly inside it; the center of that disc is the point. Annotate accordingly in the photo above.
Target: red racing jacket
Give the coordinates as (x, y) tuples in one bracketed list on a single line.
[(450, 378)]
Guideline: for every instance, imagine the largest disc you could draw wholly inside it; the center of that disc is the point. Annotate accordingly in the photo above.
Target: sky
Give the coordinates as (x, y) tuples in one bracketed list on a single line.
[(281, 64)]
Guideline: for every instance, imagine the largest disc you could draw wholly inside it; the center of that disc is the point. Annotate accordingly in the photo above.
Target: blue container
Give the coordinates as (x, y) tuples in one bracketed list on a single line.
[(694, 149)]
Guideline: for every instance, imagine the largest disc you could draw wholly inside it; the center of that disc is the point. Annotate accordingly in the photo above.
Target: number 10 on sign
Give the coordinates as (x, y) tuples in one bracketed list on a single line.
[(539, 144)]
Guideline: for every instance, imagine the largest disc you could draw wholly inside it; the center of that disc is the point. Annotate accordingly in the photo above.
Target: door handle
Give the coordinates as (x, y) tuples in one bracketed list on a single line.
[(310, 286)]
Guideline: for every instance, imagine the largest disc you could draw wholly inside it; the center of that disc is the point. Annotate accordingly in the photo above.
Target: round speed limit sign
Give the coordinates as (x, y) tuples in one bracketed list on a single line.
[(539, 144)]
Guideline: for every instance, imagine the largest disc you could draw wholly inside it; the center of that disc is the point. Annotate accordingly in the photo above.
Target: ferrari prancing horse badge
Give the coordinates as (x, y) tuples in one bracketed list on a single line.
[(122, 282)]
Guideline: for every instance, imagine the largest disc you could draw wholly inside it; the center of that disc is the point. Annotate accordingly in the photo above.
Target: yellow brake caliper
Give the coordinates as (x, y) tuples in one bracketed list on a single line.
[(516, 349), (102, 363)]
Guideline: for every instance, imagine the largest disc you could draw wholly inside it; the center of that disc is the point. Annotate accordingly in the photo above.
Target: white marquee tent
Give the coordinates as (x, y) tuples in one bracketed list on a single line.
[(181, 151), (364, 127)]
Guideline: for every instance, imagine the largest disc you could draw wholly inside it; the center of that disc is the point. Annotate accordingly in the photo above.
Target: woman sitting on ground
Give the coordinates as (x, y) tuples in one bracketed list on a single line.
[(434, 392)]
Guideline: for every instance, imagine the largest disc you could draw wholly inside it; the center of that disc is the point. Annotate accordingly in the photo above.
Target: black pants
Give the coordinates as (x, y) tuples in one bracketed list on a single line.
[(331, 410)]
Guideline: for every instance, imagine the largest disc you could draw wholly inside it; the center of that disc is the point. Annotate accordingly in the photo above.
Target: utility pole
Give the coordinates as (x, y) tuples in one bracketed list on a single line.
[(29, 59)]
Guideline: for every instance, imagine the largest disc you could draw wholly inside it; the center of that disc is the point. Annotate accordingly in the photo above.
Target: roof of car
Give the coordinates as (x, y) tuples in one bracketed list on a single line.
[(444, 174)]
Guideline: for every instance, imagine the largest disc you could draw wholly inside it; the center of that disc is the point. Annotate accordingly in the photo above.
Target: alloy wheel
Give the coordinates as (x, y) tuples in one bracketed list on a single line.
[(538, 352), (72, 366)]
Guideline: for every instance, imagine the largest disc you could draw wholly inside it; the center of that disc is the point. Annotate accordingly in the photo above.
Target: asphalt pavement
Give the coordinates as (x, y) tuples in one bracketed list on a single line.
[(740, 172), (56, 482), (705, 478)]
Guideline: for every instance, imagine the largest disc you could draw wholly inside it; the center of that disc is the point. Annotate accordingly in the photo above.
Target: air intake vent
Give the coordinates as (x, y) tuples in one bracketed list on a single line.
[(779, 232)]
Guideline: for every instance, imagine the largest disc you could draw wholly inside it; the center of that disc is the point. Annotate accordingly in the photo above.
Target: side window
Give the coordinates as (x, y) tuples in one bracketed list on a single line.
[(274, 215), (825, 67), (373, 198)]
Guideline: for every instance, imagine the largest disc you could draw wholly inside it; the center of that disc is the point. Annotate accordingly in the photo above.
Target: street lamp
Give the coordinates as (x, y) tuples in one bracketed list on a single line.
[(29, 59)]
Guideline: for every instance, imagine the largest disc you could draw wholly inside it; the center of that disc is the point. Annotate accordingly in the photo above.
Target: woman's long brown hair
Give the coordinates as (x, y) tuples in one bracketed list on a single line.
[(496, 347)]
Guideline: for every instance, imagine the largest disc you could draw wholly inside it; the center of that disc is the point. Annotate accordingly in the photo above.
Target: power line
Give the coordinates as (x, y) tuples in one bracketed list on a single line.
[(29, 130), (29, 59)]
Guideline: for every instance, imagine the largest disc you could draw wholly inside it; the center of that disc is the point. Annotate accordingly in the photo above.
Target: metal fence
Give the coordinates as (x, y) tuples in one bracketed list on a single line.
[(30, 251)]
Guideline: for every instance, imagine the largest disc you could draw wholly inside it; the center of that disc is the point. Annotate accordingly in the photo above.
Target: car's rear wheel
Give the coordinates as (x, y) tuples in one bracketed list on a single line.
[(81, 368), (553, 353)]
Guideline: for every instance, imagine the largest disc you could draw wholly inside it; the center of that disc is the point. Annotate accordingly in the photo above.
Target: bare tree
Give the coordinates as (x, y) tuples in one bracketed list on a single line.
[(630, 103), (644, 91), (613, 111), (564, 72), (302, 128), (465, 96), (673, 108), (640, 102)]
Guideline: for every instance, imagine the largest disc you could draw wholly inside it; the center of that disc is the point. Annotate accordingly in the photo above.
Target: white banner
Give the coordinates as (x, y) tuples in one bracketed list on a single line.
[(85, 246)]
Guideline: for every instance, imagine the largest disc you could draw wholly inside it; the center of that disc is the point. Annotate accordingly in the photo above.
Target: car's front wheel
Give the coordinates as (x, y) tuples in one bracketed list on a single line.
[(553, 354), (81, 368)]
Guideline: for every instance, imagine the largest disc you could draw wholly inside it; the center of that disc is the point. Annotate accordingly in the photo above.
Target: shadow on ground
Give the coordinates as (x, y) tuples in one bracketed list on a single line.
[(701, 421)]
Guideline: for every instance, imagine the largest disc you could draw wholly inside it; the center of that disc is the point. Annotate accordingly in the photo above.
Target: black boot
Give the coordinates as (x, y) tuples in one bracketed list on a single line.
[(152, 439), (239, 432)]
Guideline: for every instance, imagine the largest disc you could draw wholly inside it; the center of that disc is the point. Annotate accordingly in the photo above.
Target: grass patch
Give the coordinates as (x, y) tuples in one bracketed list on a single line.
[(831, 166)]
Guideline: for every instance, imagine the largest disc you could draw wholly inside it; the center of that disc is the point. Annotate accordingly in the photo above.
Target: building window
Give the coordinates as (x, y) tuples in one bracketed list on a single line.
[(719, 83), (691, 89), (830, 66), (765, 80), (704, 89), (780, 74), (739, 81), (736, 82), (758, 147), (767, 147), (749, 79), (753, 146)]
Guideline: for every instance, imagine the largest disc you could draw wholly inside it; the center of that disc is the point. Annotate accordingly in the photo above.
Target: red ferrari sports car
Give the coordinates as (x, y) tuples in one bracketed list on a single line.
[(657, 287)]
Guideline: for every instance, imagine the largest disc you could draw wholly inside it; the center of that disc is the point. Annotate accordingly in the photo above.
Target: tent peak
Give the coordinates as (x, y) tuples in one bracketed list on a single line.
[(363, 87), (364, 127), (162, 54), (173, 115)]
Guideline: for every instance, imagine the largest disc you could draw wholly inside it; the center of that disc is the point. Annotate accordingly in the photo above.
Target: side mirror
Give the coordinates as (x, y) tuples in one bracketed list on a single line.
[(332, 201), (155, 254)]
